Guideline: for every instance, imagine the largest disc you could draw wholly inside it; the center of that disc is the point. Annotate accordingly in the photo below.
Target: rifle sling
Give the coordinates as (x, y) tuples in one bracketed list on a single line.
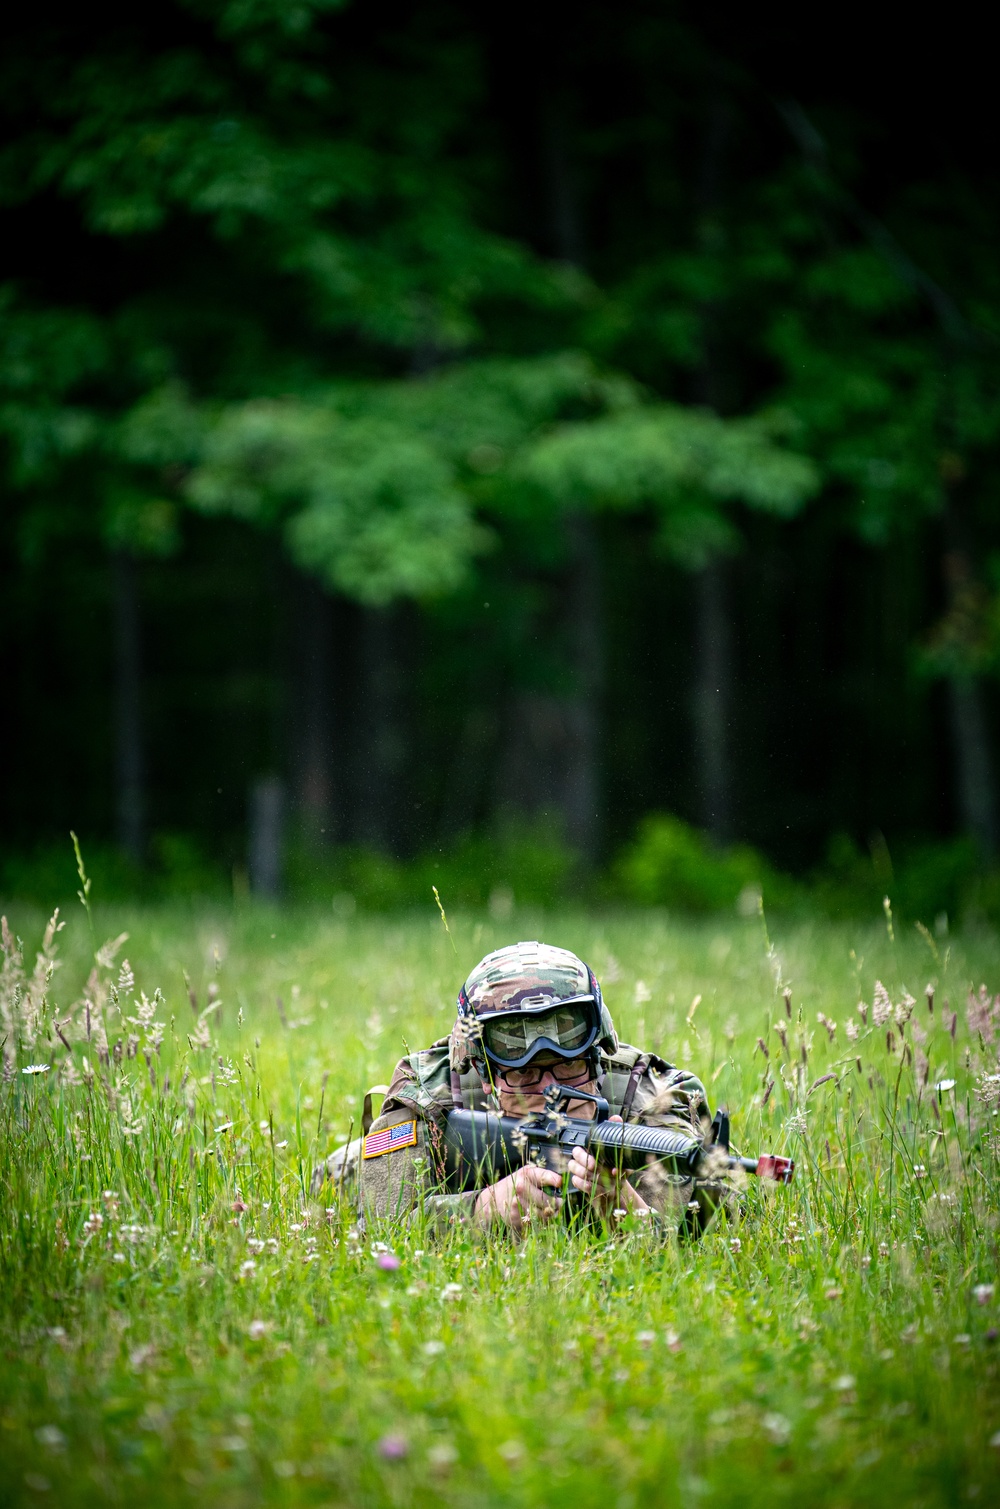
[(638, 1070)]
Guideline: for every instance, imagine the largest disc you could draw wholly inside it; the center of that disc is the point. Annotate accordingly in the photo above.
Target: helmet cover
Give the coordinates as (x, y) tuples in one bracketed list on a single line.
[(524, 978)]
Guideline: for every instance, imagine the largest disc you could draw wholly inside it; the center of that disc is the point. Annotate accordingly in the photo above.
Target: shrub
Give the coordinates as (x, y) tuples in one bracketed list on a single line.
[(669, 863), (512, 865)]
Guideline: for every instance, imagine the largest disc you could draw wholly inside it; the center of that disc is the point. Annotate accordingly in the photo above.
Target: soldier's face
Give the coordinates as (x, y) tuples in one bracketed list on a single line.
[(520, 1099)]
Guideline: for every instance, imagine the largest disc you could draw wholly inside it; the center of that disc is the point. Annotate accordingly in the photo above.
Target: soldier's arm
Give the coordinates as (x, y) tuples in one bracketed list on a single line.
[(396, 1177)]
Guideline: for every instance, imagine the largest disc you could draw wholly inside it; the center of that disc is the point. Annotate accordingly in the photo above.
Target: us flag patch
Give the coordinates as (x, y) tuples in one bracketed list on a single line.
[(403, 1135)]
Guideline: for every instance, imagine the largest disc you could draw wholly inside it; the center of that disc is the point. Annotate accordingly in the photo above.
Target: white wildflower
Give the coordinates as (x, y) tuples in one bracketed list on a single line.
[(777, 1427), (200, 1038), (881, 1005), (92, 1225), (50, 1436), (904, 1010), (441, 1455)]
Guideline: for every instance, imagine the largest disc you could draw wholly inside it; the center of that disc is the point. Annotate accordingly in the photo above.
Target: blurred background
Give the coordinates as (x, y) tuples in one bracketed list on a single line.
[(545, 451)]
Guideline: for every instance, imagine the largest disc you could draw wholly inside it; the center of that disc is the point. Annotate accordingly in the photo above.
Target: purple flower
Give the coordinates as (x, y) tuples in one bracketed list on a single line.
[(393, 1448), (388, 1262)]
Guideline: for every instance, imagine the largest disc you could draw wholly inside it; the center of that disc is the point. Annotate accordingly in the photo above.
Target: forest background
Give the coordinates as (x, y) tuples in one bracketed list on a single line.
[(436, 438)]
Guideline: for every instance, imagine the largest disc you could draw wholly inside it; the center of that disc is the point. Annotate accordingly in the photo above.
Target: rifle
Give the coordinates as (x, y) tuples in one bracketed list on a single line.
[(481, 1147)]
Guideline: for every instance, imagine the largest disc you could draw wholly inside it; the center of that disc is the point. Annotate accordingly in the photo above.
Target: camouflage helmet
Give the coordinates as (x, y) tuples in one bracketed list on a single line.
[(525, 978)]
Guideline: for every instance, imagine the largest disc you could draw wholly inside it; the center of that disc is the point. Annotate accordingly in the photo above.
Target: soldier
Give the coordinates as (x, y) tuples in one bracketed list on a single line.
[(529, 1016)]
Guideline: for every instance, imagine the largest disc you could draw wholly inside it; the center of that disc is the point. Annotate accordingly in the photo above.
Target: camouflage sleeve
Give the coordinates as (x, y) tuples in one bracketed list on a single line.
[(676, 1100), (441, 1212), (396, 1177)]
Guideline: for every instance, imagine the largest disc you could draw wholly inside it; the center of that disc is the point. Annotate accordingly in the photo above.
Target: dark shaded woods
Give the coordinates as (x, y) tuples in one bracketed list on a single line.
[(736, 214)]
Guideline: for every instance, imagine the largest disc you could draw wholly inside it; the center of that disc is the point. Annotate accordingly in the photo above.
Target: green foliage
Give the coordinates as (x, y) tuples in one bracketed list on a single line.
[(927, 883), (684, 463), (268, 142), (182, 1319), (671, 864), (513, 866), (333, 208), (667, 864), (178, 868), (965, 642), (280, 263), (881, 354), (372, 510)]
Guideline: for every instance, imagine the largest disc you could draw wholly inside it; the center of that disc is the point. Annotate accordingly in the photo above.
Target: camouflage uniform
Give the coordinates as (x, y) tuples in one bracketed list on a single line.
[(639, 1087)]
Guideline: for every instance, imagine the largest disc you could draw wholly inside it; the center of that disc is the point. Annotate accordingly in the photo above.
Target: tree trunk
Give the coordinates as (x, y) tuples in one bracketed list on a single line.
[(974, 763), (713, 646), (468, 770), (130, 775), (975, 777), (564, 230), (312, 708), (380, 750), (579, 797), (266, 845), (712, 698), (581, 791)]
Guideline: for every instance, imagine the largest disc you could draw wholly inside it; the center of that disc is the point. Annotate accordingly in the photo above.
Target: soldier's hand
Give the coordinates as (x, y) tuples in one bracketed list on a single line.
[(523, 1196), (608, 1190)]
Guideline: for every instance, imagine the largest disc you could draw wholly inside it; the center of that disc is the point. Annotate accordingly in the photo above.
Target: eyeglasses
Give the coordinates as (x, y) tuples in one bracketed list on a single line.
[(574, 1071), (511, 1038)]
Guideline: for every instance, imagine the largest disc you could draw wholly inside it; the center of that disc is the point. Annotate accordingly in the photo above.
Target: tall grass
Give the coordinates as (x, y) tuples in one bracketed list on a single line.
[(181, 1320)]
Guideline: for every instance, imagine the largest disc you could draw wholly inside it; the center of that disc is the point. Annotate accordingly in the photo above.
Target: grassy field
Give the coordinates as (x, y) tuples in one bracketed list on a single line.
[(181, 1322)]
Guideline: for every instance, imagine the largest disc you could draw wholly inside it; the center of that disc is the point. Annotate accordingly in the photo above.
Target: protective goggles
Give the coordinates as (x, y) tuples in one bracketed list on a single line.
[(568, 1029)]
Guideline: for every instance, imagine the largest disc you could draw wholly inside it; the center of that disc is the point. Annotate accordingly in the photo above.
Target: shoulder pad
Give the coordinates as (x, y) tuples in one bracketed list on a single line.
[(625, 1058), (422, 1082)]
